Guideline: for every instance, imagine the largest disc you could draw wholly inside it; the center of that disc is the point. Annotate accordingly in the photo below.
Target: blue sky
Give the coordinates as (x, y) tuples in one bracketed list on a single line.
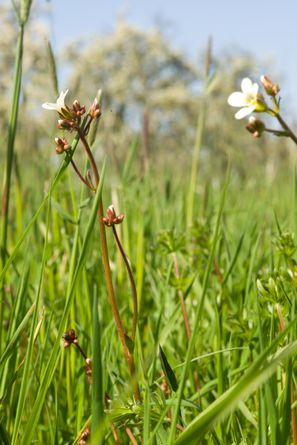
[(265, 28)]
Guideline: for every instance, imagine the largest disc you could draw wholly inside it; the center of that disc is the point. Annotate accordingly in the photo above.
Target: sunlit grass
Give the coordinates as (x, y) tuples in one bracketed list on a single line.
[(214, 270)]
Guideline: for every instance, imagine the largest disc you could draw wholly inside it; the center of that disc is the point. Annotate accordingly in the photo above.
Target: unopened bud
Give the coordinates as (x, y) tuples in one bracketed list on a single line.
[(76, 105), (88, 368), (69, 338), (255, 126), (62, 145), (272, 89), (78, 109), (65, 124), (112, 218), (95, 110)]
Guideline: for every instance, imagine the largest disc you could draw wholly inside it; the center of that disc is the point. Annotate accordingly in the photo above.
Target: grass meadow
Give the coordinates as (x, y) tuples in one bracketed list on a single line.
[(173, 326)]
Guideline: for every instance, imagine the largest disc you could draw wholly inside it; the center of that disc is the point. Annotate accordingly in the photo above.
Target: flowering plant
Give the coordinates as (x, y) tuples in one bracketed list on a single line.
[(250, 100)]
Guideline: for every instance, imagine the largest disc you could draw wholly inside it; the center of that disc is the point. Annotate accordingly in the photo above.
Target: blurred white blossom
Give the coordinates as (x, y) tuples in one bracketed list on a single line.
[(247, 99), (59, 105)]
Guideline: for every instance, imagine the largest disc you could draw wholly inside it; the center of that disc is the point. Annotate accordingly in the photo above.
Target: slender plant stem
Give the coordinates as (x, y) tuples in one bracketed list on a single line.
[(291, 134), (131, 436), (80, 175), (107, 271), (132, 282), (277, 132), (89, 155), (115, 434), (78, 347)]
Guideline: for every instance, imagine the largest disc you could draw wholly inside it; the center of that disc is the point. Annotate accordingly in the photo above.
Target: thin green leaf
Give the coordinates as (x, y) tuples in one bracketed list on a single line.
[(169, 374)]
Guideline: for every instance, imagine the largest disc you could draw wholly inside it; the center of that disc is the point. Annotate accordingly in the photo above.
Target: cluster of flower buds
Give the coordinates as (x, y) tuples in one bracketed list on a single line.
[(112, 218), (255, 126), (62, 145), (69, 338), (78, 109), (70, 118)]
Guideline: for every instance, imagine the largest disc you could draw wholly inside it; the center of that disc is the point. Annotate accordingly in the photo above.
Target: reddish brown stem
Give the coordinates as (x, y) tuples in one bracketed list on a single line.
[(131, 436), (218, 271), (107, 271), (115, 434), (132, 282), (81, 176), (80, 350)]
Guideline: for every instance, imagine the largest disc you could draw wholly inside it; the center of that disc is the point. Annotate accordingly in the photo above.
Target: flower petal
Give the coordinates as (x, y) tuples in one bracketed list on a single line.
[(49, 106), (61, 100), (255, 89), (57, 106), (243, 112), (246, 85), (237, 99)]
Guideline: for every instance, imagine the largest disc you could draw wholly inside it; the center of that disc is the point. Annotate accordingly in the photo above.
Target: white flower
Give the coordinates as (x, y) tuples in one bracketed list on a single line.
[(58, 106), (248, 100)]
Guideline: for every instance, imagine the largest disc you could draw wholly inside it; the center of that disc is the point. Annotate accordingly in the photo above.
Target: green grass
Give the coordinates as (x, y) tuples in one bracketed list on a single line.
[(232, 380), (236, 346)]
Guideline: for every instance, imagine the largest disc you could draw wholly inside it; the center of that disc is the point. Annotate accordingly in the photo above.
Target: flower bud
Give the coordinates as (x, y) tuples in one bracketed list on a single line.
[(59, 150), (65, 124), (62, 145), (78, 109), (272, 89), (255, 126), (112, 218), (69, 338), (95, 110)]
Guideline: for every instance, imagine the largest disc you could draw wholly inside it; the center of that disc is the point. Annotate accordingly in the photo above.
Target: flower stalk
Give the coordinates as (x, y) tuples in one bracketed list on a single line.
[(107, 271), (132, 282), (70, 119)]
